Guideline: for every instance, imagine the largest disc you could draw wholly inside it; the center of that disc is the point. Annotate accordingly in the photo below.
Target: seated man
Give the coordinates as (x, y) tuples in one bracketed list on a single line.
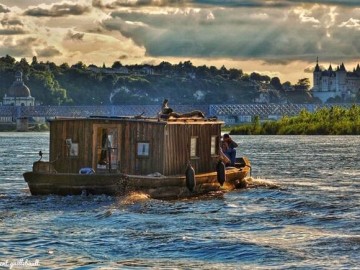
[(228, 147), (167, 112)]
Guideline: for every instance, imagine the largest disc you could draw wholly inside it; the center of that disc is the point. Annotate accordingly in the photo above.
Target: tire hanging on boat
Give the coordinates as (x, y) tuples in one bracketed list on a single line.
[(190, 177), (220, 170)]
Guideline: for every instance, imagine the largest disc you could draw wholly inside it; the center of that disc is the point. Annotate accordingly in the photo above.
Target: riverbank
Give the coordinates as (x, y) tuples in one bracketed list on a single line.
[(326, 121), (9, 127)]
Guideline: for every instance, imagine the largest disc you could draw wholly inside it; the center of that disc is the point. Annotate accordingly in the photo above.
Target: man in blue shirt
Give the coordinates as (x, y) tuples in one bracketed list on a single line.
[(228, 146)]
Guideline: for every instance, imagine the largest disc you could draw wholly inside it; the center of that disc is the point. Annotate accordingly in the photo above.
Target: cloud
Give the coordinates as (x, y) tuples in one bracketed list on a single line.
[(12, 31), (12, 26), (244, 3), (349, 3), (4, 9), (138, 3), (74, 36), (270, 33), (48, 52), (57, 10), (273, 35), (11, 22), (351, 23), (276, 4), (113, 4), (17, 47)]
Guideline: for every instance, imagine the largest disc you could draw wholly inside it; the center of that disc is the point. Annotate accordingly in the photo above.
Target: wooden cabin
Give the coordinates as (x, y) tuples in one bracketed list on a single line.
[(134, 146)]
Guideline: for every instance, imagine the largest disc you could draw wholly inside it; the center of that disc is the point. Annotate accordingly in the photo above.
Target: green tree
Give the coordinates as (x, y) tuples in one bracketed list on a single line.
[(116, 64), (255, 76), (79, 65), (235, 74), (275, 82), (34, 61), (303, 84), (8, 60)]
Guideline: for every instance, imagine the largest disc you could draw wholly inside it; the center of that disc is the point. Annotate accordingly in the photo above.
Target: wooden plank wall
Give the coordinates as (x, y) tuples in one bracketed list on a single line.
[(140, 131), (169, 145), (79, 132), (130, 133), (178, 144)]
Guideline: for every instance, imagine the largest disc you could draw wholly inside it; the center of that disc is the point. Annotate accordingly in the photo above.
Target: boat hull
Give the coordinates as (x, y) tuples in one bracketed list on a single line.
[(160, 187)]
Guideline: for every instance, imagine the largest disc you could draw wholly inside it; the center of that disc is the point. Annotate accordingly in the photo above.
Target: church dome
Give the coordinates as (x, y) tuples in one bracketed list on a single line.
[(18, 88)]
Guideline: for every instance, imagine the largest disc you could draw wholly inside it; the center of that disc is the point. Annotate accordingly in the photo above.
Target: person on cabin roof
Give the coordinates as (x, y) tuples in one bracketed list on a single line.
[(165, 109), (167, 112), (228, 147)]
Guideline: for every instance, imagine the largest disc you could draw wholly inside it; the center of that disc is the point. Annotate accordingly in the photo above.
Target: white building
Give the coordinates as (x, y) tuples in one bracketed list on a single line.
[(339, 83), (18, 93)]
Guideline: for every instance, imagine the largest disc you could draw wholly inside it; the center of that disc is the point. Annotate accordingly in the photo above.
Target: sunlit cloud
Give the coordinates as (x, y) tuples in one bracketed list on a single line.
[(4, 9), (351, 23), (48, 52), (74, 36), (281, 37), (57, 10)]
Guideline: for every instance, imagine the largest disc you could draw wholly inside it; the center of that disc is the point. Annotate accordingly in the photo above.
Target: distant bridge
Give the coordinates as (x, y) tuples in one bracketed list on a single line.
[(262, 110)]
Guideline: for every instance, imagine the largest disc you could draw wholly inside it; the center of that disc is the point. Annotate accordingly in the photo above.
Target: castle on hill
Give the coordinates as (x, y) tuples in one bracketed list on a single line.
[(338, 84)]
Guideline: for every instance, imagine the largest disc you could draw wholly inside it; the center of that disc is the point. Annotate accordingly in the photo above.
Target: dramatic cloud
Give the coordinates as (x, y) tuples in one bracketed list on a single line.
[(350, 3), (12, 31), (112, 4), (11, 22), (49, 51), (137, 3), (271, 36), (4, 9), (57, 10), (351, 23), (11, 26), (17, 47), (74, 36)]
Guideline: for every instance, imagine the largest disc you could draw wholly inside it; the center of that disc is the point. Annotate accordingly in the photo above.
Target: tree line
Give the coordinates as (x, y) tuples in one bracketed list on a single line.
[(325, 121), (182, 83)]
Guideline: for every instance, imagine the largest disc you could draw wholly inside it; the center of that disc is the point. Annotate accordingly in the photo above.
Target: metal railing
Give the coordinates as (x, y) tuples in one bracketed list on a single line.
[(152, 110)]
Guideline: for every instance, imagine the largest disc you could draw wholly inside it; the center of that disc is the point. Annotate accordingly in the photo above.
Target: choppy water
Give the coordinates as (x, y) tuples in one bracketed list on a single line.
[(312, 221)]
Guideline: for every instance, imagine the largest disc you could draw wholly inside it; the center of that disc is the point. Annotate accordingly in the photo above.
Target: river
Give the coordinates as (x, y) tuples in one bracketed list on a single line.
[(310, 221)]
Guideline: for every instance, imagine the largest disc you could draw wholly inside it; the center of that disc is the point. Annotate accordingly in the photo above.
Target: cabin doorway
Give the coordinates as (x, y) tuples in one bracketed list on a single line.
[(106, 149)]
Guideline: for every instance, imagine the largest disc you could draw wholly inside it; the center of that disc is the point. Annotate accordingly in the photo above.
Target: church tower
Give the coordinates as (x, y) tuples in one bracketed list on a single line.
[(317, 76), (341, 80)]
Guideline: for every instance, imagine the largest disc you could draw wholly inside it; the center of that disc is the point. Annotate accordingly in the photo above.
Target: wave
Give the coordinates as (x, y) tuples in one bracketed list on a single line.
[(251, 182)]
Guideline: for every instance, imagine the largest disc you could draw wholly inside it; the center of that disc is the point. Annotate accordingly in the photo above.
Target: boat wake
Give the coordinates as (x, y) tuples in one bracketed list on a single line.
[(133, 197), (250, 182)]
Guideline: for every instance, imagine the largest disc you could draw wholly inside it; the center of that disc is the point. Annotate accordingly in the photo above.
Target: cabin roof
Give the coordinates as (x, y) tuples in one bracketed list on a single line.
[(155, 120)]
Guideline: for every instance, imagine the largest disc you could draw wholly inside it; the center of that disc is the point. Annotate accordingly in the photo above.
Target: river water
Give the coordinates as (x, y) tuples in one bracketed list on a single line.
[(311, 221)]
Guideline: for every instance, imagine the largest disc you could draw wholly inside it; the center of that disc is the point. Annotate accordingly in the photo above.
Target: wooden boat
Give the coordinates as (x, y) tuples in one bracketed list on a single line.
[(164, 158)]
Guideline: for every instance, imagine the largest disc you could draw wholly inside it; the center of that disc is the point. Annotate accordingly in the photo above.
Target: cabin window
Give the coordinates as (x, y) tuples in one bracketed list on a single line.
[(143, 149), (107, 142), (194, 147), (213, 145), (72, 148)]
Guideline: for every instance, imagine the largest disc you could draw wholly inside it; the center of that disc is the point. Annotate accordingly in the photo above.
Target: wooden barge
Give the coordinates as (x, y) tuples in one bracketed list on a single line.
[(164, 158)]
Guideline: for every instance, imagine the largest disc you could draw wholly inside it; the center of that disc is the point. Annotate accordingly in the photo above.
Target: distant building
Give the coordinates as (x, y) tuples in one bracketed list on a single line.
[(147, 70), (337, 83), (18, 93), (120, 70), (263, 97)]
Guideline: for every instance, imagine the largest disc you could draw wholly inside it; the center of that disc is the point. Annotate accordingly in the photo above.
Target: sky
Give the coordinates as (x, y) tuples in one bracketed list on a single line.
[(280, 38)]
